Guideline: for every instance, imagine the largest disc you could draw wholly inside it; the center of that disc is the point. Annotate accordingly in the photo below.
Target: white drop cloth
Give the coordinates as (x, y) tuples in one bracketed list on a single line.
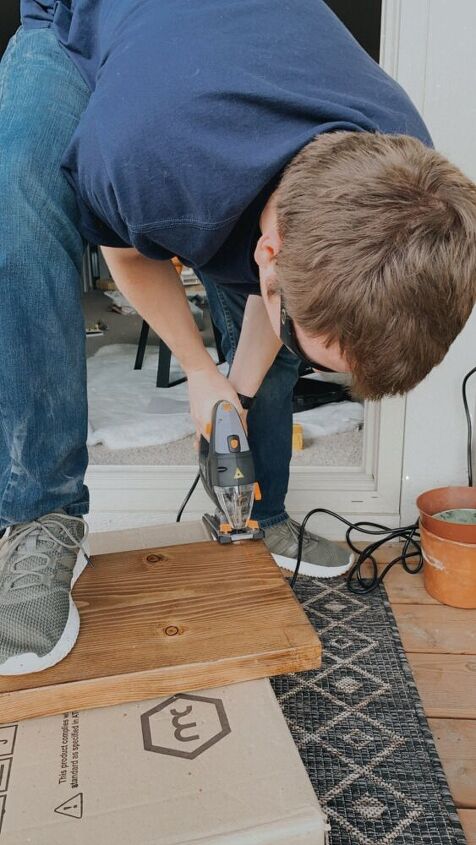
[(122, 401), (330, 419)]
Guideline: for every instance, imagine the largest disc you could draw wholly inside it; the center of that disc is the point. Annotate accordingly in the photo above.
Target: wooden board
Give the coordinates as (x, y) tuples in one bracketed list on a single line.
[(447, 686), (436, 629), (456, 743), (166, 620)]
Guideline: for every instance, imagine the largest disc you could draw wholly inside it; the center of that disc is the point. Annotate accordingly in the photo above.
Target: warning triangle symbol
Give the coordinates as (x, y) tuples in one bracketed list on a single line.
[(238, 473), (73, 807)]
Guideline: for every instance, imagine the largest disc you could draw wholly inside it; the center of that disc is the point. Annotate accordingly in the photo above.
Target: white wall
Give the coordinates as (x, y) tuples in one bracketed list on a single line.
[(436, 63)]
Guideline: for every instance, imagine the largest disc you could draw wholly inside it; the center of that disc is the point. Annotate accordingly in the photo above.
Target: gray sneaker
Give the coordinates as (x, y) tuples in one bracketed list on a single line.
[(39, 563), (320, 557)]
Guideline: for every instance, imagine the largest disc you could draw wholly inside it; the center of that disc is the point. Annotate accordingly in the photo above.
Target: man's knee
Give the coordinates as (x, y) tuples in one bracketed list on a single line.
[(28, 180), (38, 207)]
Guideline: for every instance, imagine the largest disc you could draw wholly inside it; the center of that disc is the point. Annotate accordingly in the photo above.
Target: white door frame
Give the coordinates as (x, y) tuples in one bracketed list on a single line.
[(372, 490), (436, 64)]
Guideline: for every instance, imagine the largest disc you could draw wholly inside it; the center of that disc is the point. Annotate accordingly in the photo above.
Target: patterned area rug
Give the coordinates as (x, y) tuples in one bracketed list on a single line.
[(360, 727)]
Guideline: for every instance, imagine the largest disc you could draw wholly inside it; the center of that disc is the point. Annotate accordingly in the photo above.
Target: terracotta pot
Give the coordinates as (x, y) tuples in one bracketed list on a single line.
[(443, 499), (449, 573)]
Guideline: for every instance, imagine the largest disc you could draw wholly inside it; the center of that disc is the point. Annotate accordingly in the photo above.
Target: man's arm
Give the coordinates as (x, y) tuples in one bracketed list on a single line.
[(156, 292), (257, 348)]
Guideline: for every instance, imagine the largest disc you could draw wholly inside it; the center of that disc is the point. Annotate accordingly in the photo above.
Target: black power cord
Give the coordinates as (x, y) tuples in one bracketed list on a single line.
[(356, 582), (187, 497), (469, 449)]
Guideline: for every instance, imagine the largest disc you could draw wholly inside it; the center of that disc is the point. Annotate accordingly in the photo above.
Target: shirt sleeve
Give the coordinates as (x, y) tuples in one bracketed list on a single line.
[(95, 231)]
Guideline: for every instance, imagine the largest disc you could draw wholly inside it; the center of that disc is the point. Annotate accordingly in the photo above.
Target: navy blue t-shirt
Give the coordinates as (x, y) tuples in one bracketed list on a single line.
[(196, 108)]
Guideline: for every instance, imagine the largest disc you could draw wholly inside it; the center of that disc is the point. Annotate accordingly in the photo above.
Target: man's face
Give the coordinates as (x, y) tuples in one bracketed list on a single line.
[(315, 349)]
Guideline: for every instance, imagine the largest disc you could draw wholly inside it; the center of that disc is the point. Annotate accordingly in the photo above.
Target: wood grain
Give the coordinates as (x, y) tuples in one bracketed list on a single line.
[(456, 743), (447, 686), (436, 629), (172, 619), (403, 588), (468, 820)]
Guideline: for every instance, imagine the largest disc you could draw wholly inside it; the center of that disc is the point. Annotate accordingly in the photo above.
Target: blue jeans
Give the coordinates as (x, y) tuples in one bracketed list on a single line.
[(43, 407), (43, 410)]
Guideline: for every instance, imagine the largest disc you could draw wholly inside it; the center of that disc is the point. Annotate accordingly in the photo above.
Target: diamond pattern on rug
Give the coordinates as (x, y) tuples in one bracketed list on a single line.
[(360, 728)]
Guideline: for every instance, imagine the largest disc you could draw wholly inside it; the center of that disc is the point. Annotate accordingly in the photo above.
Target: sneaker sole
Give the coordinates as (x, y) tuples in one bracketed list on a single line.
[(24, 664), (313, 569)]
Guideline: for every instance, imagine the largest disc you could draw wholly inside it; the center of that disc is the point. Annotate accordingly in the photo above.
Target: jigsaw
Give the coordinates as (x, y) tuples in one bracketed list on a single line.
[(228, 476)]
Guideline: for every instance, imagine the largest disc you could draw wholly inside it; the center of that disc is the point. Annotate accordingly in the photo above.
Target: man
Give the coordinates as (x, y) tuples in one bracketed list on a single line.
[(259, 143)]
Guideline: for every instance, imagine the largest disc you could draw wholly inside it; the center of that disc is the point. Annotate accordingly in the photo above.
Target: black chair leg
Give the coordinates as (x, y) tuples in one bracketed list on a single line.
[(163, 368), (144, 334)]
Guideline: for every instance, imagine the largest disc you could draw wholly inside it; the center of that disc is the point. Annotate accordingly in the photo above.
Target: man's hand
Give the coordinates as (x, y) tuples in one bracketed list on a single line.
[(206, 387)]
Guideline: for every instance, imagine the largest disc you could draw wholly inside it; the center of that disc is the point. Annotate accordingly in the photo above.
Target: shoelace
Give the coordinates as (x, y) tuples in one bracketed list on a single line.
[(18, 535)]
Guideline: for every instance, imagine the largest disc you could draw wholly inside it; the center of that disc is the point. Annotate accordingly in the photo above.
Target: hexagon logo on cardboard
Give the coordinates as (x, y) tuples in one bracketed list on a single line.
[(184, 725)]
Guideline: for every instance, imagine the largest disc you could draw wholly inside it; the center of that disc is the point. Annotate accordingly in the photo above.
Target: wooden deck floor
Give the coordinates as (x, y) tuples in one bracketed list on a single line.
[(440, 643)]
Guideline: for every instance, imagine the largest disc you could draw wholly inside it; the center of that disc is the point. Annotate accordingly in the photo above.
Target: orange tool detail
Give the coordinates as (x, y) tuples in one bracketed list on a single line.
[(258, 495), (234, 443), (227, 406), (225, 528), (208, 429), (252, 523)]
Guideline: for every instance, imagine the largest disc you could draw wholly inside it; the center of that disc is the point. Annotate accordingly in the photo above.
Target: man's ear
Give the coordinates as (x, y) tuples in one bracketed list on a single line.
[(268, 247), (265, 257), (266, 252), (269, 243)]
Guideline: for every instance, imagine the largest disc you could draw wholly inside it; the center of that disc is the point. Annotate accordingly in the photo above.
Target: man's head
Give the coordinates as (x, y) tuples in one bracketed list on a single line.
[(370, 244)]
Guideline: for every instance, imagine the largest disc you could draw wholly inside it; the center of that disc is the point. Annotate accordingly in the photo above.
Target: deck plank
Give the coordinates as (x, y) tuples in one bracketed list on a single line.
[(403, 588), (468, 820), (456, 743), (436, 629), (447, 684)]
